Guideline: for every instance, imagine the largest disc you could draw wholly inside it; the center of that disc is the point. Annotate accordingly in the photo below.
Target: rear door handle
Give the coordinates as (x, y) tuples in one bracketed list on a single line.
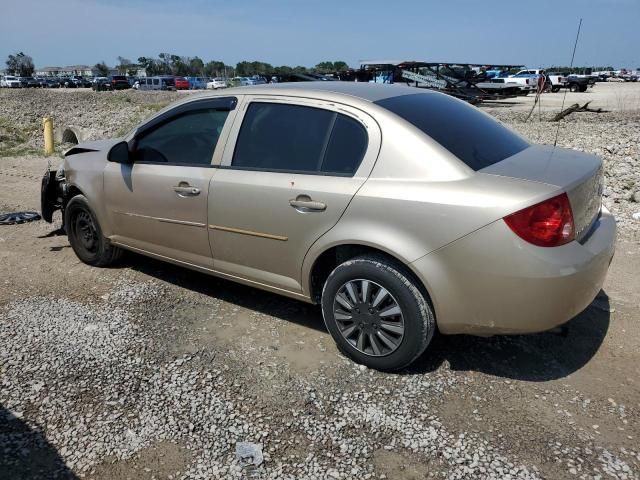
[(186, 190), (304, 203)]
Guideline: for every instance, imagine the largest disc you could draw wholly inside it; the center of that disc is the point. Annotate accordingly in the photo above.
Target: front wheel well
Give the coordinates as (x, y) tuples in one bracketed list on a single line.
[(73, 191), (331, 258)]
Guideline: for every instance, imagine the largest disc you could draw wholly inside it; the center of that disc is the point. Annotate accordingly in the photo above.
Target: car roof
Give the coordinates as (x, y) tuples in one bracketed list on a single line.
[(371, 92)]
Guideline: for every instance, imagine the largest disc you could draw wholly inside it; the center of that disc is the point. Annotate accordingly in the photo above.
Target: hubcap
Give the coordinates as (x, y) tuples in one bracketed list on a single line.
[(368, 317), (86, 232)]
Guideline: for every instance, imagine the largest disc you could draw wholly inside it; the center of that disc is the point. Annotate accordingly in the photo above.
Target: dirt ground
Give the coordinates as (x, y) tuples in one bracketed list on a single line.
[(540, 406)]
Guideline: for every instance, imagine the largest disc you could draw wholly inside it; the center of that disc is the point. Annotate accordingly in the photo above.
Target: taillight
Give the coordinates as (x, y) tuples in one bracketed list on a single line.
[(546, 224)]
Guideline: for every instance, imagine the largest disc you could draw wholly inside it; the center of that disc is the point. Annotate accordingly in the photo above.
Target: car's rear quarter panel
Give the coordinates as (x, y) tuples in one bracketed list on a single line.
[(493, 282)]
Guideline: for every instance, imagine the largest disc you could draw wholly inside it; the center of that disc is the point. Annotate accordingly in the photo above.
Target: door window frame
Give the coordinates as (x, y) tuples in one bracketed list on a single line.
[(173, 113), (370, 125)]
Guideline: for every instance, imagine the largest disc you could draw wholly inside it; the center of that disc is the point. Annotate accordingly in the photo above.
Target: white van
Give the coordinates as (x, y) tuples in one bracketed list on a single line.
[(157, 83)]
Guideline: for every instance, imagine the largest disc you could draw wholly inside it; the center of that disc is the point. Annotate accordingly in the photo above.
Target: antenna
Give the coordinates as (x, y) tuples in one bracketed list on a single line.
[(575, 45)]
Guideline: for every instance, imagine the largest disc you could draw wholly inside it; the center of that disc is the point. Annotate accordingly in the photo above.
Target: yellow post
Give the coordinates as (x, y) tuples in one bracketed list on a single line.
[(47, 124)]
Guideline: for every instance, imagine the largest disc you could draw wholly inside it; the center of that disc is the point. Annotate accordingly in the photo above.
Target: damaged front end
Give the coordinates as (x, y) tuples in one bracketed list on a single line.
[(53, 193)]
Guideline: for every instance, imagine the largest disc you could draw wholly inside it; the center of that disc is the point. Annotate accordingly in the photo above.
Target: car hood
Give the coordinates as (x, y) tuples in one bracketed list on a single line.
[(94, 146)]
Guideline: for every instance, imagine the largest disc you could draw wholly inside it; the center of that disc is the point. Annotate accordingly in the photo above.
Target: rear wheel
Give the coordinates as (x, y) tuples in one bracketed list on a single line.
[(376, 314), (555, 89), (573, 87), (85, 234)]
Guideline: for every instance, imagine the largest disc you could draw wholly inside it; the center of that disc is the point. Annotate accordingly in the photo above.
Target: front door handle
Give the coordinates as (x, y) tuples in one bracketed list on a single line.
[(303, 203), (186, 190)]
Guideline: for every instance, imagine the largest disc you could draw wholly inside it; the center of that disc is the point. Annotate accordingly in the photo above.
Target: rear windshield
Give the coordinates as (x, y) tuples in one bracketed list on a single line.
[(475, 138)]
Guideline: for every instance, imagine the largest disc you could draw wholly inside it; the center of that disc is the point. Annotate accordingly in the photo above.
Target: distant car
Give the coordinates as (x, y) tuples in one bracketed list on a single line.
[(527, 80), (216, 83), (258, 80), (576, 83), (100, 84), (118, 82), (197, 83), (29, 82), (162, 82), (68, 82), (82, 82), (10, 81), (557, 79), (181, 83), (52, 82), (243, 81), (398, 211)]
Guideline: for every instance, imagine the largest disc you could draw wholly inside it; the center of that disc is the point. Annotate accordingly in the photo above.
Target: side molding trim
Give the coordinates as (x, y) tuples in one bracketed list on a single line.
[(249, 232)]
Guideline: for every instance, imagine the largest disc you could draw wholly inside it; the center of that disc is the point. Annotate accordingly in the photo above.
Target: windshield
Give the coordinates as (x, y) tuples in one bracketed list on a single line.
[(471, 135)]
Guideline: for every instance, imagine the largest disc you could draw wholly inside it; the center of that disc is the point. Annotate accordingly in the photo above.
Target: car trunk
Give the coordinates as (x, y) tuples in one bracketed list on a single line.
[(579, 174)]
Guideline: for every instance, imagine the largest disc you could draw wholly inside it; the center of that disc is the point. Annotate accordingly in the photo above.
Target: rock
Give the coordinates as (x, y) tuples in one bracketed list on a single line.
[(248, 453)]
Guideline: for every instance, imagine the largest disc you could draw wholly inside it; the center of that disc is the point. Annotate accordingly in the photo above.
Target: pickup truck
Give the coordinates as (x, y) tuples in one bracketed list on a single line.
[(556, 80), (578, 83), (528, 80)]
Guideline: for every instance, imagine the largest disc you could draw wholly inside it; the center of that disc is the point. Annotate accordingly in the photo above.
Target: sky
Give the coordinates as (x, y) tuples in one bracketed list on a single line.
[(305, 32)]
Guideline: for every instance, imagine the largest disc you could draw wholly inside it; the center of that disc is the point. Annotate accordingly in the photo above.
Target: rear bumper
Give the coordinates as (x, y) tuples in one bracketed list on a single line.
[(492, 282)]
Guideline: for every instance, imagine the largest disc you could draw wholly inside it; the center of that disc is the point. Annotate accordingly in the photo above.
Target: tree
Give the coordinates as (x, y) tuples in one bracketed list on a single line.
[(340, 66), (196, 66), (215, 68), (253, 68), (20, 64), (324, 67), (124, 64), (165, 61), (283, 70), (102, 69)]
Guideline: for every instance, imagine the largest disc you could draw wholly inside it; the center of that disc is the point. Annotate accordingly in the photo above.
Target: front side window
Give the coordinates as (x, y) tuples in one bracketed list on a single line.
[(295, 138), (189, 138)]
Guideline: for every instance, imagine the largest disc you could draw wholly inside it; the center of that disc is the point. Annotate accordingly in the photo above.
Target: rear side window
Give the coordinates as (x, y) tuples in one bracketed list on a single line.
[(294, 138), (475, 138), (347, 145)]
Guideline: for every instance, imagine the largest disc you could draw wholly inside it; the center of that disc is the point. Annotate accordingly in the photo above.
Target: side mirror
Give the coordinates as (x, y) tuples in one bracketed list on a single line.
[(119, 153)]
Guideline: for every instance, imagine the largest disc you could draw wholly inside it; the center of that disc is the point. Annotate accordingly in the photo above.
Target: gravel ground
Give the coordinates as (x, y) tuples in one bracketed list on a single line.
[(146, 370)]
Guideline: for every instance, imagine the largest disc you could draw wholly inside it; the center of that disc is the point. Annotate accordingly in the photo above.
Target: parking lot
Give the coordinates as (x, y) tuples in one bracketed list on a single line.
[(147, 370)]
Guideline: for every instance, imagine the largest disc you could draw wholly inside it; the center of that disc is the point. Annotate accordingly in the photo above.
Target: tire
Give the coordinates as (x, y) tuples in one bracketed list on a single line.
[(573, 87), (555, 89), (364, 335), (85, 234)]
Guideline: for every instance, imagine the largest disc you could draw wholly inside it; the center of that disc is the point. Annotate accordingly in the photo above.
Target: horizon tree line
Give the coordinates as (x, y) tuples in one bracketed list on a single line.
[(183, 66)]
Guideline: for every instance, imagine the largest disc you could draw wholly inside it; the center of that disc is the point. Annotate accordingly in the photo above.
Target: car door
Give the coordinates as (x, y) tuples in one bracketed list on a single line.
[(158, 203), (289, 170)]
